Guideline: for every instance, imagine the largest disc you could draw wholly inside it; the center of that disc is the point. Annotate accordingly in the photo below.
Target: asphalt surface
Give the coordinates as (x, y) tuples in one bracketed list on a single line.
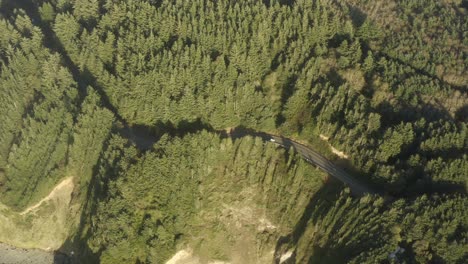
[(144, 140), (313, 157)]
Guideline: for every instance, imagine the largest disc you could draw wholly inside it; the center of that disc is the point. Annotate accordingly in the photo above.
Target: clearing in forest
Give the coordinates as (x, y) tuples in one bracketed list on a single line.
[(65, 187), (43, 225)]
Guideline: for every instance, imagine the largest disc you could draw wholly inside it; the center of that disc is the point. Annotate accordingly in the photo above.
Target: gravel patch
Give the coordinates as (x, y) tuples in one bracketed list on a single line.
[(12, 255)]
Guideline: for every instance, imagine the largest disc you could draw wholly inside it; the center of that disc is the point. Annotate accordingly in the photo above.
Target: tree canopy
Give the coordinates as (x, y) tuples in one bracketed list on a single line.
[(133, 99)]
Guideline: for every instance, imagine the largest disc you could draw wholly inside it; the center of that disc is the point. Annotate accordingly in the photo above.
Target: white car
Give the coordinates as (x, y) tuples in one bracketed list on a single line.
[(272, 140)]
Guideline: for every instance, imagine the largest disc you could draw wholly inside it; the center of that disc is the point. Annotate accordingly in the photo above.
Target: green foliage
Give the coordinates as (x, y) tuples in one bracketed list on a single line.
[(448, 241), (384, 81), (38, 109), (86, 10), (158, 198), (47, 12), (395, 141), (347, 227), (90, 134)]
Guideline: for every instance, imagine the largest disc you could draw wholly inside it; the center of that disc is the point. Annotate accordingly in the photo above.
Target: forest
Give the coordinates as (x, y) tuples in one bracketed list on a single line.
[(128, 97)]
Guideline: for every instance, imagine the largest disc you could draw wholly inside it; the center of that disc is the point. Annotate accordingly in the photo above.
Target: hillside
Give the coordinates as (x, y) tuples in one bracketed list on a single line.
[(118, 129)]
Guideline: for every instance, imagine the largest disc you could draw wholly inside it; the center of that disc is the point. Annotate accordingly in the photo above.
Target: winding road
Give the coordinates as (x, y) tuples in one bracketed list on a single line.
[(144, 140), (357, 188), (311, 156)]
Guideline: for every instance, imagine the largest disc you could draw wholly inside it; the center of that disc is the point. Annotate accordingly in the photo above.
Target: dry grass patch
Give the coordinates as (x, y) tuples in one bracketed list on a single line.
[(44, 225)]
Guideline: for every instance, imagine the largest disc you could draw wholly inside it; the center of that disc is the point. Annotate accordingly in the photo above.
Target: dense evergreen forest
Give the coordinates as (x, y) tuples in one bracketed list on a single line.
[(87, 87)]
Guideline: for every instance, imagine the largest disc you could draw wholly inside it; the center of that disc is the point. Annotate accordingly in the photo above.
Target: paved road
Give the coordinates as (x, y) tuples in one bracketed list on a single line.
[(315, 158), (144, 140), (357, 188)]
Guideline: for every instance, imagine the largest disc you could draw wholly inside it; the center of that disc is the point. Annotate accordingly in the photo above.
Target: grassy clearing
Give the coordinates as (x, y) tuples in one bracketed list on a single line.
[(44, 225), (243, 226)]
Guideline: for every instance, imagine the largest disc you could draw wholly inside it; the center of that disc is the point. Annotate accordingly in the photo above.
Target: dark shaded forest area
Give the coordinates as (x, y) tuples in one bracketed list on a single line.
[(87, 87)]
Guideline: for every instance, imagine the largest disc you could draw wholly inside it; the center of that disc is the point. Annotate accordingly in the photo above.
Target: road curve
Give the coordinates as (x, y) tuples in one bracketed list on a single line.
[(315, 158), (144, 140), (357, 188)]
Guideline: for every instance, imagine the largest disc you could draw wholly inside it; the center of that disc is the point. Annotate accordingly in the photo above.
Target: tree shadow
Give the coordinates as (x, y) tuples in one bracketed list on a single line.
[(51, 41), (402, 112), (348, 166), (429, 187), (281, 2), (462, 114), (144, 137), (464, 4), (287, 90), (358, 17), (420, 71), (242, 131), (75, 250), (61, 258), (319, 204)]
